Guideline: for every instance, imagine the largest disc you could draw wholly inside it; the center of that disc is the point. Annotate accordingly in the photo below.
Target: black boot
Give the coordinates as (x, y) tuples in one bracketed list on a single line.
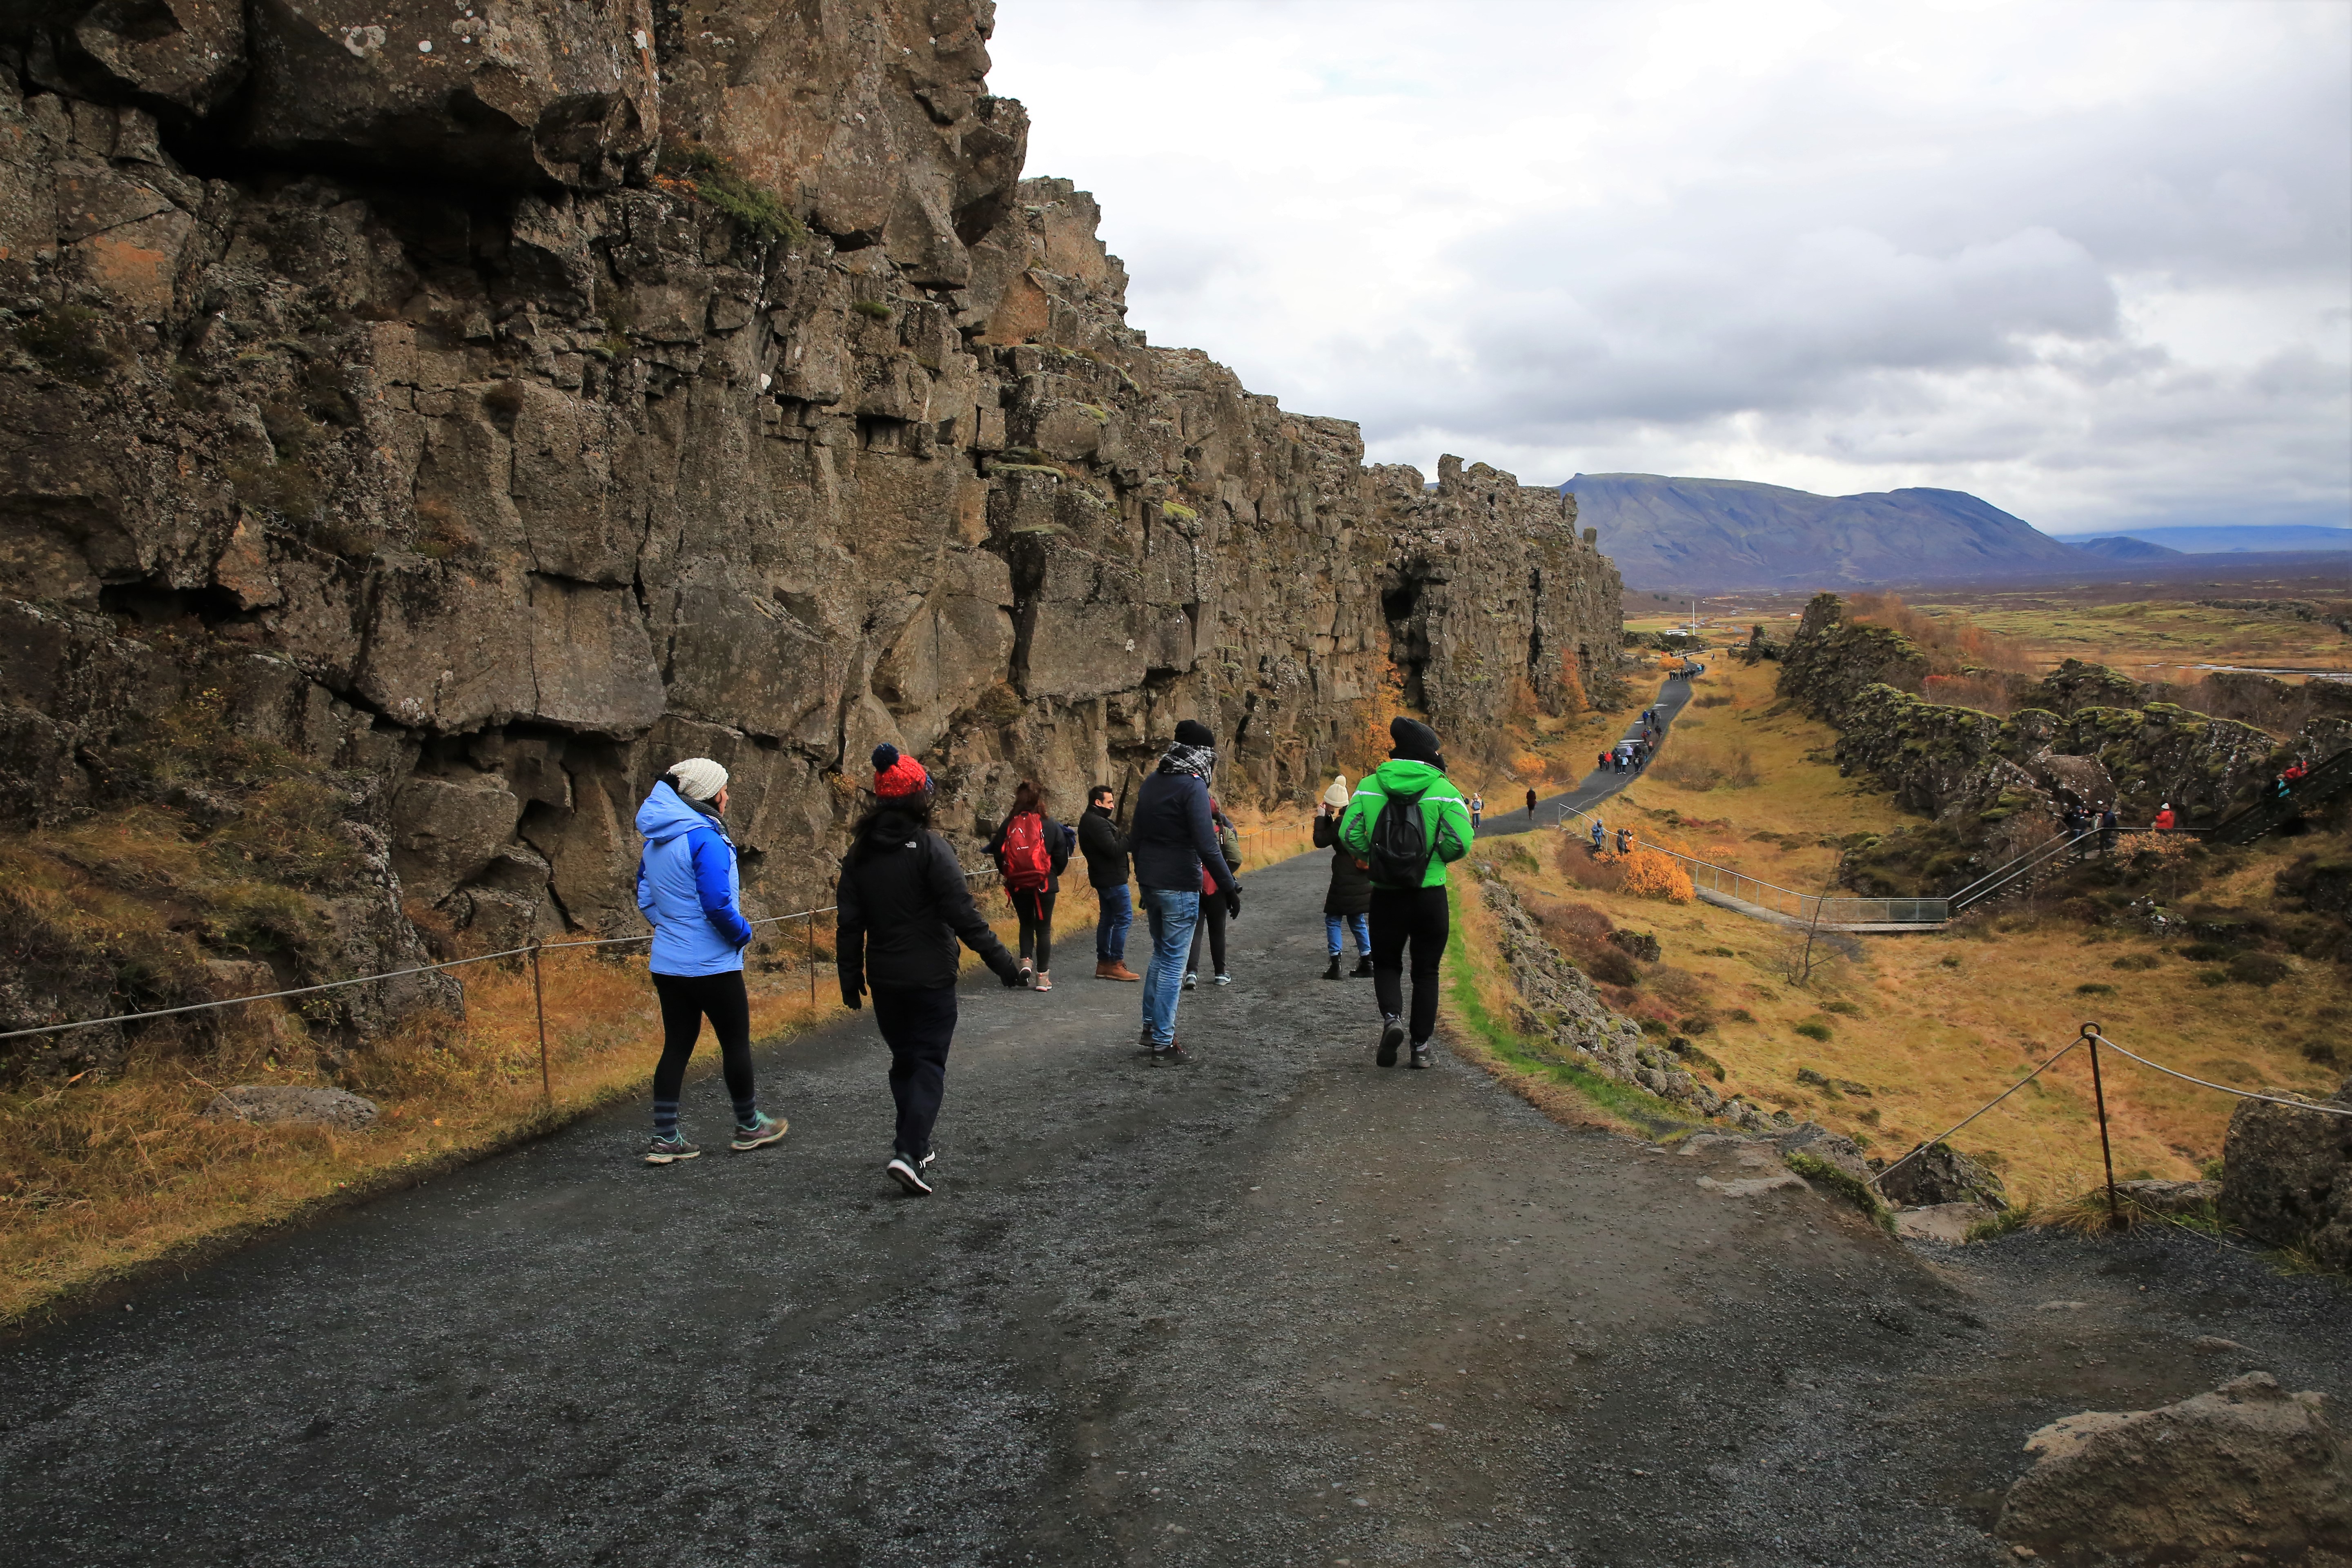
[(1333, 973), (1363, 970)]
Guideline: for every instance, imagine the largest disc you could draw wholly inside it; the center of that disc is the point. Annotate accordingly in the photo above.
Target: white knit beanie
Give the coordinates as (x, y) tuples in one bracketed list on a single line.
[(699, 778), (1338, 794)]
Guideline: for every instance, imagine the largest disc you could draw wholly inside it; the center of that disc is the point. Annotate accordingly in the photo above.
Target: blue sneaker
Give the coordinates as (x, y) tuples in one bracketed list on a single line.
[(663, 1151), (764, 1129)]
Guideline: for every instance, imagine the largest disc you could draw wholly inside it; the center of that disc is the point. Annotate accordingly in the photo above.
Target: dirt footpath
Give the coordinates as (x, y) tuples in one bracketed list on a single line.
[(1278, 1306)]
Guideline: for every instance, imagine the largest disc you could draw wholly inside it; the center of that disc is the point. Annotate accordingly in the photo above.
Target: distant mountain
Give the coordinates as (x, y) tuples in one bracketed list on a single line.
[(2223, 540), (1729, 533), (2124, 547)]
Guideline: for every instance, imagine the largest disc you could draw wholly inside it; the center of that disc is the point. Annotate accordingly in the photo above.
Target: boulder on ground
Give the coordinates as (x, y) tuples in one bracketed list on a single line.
[(2246, 1468), (1639, 944), (2287, 1177), (2169, 1197), (1947, 1224), (1835, 1148), (1942, 1174), (291, 1105)]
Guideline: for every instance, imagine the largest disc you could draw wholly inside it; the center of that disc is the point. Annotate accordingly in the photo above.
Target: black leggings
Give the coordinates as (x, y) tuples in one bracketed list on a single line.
[(1418, 914), (917, 1023), (1036, 912), (686, 1001), (1210, 929)]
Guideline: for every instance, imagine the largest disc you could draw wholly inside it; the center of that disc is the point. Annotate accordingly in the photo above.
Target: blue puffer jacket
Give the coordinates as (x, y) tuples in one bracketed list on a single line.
[(687, 886)]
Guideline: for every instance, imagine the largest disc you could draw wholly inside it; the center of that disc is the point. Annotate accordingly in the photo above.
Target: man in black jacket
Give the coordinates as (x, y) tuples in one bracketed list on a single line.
[(1105, 848), (1173, 841), (904, 906)]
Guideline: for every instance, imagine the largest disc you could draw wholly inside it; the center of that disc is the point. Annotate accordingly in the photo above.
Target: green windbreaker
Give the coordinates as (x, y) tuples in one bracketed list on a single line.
[(1443, 812)]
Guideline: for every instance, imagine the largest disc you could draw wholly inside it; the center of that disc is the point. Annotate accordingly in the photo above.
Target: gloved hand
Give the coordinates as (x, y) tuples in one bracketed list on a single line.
[(1010, 974), (1234, 902), (852, 988)]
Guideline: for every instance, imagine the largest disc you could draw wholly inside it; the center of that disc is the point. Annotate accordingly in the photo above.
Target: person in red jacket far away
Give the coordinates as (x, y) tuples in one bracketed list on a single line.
[(2164, 819)]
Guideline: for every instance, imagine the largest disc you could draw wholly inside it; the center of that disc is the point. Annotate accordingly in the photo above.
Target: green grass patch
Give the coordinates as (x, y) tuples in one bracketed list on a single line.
[(1466, 970)]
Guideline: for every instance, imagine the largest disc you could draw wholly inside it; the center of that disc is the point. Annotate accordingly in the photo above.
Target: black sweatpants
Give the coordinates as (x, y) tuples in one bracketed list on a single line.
[(917, 1023), (1210, 929), (1418, 915), (686, 1001), (1035, 910)]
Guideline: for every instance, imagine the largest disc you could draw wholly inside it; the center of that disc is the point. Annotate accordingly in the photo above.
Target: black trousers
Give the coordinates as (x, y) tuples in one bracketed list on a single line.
[(1211, 932), (686, 1001), (1417, 915), (917, 1023), (1035, 910)]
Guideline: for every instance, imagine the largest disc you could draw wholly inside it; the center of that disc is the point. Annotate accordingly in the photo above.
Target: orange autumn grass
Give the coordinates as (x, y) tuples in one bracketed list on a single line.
[(100, 1180)]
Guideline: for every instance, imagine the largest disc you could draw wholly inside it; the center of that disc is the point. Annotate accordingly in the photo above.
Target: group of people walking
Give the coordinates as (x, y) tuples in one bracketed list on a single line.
[(906, 910)]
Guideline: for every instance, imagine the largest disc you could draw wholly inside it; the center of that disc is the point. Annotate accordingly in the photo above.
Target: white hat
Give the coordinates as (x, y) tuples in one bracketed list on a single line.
[(1338, 794), (698, 778)]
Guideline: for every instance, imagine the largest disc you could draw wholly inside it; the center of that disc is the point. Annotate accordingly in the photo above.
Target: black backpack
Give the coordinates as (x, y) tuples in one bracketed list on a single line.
[(1399, 843)]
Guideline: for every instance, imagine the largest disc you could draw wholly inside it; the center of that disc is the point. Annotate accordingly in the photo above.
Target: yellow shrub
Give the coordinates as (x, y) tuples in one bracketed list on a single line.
[(1530, 767), (1653, 875)]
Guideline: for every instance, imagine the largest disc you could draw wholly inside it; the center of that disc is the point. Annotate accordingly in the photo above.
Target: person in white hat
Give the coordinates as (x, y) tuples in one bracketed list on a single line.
[(1347, 905), (692, 893)]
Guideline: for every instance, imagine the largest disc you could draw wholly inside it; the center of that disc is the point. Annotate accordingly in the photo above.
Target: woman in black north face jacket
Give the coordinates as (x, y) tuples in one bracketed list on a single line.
[(904, 906)]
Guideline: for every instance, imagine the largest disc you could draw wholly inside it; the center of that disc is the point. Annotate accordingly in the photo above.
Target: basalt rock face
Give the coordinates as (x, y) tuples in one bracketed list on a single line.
[(708, 381), (1983, 770)]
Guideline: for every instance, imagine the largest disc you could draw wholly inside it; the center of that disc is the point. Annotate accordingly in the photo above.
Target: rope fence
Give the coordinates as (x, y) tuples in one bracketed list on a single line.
[(2092, 1037)]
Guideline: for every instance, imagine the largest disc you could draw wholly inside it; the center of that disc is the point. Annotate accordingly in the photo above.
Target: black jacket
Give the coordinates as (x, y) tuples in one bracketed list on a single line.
[(1172, 837), (1351, 885), (1059, 840), (1105, 848), (904, 903)]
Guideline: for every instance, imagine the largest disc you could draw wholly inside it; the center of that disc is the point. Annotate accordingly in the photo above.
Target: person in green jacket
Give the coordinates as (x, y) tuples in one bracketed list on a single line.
[(1407, 892)]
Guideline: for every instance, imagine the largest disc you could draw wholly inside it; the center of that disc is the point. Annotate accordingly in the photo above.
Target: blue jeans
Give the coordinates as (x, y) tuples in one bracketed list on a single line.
[(1361, 924), (1172, 917), (1111, 926)]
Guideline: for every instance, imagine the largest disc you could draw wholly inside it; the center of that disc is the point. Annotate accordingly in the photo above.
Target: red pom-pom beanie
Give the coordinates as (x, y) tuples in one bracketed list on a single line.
[(897, 776)]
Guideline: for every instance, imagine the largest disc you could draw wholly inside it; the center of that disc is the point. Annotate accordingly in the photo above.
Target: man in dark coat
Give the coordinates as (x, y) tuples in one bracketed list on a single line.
[(1105, 848), (1173, 842), (1348, 905)]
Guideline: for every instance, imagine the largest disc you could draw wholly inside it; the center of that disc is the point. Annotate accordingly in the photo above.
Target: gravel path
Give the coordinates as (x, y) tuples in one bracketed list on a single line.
[(1278, 1307)]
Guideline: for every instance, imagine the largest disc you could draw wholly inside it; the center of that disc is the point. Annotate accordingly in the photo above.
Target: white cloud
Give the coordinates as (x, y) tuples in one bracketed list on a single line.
[(2093, 262)]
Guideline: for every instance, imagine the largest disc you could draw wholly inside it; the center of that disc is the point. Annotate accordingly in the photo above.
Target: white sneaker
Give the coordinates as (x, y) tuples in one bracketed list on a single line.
[(1224, 980), (903, 1169), (1192, 980)]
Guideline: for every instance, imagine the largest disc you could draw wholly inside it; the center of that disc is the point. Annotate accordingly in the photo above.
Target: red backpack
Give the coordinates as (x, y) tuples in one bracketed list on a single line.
[(1028, 865)]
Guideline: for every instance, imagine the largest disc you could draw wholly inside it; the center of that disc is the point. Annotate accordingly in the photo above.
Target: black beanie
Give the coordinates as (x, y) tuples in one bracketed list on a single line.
[(1414, 741), (1192, 733)]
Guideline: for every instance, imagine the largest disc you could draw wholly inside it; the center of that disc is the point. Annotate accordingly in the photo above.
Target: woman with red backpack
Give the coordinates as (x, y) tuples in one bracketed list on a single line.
[(1031, 849)]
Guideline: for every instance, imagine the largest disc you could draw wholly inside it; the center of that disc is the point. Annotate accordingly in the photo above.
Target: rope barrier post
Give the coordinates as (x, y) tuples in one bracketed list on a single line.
[(539, 1004), (2107, 1151), (812, 956)]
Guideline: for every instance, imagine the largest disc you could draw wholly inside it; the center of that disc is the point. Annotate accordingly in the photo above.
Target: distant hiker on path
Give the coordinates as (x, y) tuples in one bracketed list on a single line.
[(2111, 823), (1624, 841), (1405, 824), (1347, 903), (1600, 836), (1531, 810), (1105, 848), (1031, 851), (1173, 840), (691, 893), (904, 905), (1210, 932), (1477, 809)]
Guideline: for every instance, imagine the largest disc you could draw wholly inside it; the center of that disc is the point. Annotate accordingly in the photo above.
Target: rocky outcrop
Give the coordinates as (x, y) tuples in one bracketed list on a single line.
[(292, 1105), (2248, 1468), (708, 381), (1940, 1174), (2286, 1177), (1976, 770)]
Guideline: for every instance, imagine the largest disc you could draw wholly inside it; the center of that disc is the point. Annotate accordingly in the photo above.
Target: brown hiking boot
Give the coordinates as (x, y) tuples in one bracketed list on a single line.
[(1118, 969)]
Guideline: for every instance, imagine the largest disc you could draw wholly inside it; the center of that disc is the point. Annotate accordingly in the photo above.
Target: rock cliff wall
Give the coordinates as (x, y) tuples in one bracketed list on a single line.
[(2083, 732), (484, 406)]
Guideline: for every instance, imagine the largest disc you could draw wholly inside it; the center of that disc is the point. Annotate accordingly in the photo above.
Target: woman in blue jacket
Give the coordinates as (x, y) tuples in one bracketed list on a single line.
[(690, 892)]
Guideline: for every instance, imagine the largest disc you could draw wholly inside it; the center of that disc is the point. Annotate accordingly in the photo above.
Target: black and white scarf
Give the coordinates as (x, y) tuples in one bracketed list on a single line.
[(1179, 758)]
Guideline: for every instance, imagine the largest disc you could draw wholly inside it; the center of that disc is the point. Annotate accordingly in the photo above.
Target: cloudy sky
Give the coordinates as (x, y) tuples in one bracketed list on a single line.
[(2092, 262)]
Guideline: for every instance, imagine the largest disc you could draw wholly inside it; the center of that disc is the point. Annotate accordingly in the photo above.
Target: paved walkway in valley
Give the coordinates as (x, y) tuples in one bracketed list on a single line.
[(1281, 1306)]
